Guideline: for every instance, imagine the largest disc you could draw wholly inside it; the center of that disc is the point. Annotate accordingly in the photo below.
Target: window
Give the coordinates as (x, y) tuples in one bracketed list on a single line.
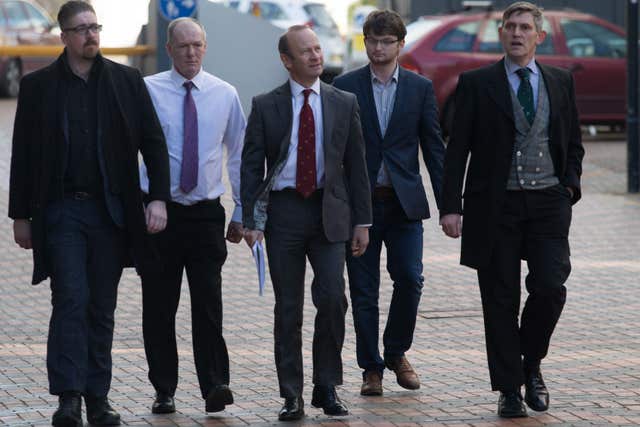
[(38, 20), (271, 11), (460, 39), (418, 29), (490, 40), (16, 16), (586, 39), (319, 16)]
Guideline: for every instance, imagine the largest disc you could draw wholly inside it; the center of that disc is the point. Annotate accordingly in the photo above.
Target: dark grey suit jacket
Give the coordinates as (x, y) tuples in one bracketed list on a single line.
[(347, 196), (413, 123)]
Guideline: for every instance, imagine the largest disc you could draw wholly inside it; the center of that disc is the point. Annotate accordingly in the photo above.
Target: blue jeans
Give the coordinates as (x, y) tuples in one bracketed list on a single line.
[(403, 240), (85, 253)]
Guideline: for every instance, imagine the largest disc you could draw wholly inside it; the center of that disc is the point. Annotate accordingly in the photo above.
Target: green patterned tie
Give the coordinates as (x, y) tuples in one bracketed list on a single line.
[(525, 94)]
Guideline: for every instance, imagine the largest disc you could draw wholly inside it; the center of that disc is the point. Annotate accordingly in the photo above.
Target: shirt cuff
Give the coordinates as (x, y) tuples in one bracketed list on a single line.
[(237, 214), (364, 225)]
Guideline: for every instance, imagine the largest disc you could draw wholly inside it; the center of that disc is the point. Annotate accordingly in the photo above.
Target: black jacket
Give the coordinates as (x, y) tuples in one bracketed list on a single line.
[(127, 124)]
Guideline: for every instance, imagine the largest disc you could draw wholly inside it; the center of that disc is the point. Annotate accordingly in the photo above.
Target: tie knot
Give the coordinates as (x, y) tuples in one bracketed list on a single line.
[(306, 93), (188, 85), (523, 73)]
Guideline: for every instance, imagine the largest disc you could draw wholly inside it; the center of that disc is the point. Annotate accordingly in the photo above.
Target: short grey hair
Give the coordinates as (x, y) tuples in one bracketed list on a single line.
[(523, 7), (172, 26)]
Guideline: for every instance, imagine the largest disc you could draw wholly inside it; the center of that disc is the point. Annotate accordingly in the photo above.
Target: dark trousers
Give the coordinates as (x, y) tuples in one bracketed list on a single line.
[(193, 241), (403, 240), (85, 254), (534, 226), (294, 232)]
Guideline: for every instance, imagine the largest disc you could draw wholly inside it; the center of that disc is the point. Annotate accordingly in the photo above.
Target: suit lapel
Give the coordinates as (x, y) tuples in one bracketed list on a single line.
[(282, 103), (398, 103), (328, 113), (366, 89), (498, 88)]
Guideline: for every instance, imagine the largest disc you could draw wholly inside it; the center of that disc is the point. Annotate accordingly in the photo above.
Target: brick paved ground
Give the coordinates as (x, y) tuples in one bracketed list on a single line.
[(593, 369)]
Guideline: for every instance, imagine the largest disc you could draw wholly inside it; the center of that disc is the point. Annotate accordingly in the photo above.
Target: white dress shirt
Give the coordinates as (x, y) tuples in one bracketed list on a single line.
[(384, 97), (287, 177), (221, 121), (514, 79)]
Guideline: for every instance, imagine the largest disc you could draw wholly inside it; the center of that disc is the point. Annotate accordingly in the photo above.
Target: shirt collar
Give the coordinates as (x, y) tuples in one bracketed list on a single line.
[(297, 88), (512, 67), (394, 76), (178, 79)]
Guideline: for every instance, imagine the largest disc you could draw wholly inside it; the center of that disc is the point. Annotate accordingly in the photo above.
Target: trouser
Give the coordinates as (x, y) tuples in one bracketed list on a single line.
[(403, 240), (85, 254), (534, 226), (193, 241), (294, 232)]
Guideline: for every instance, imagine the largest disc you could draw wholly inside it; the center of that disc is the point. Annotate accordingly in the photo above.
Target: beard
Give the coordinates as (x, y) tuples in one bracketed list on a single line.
[(90, 50)]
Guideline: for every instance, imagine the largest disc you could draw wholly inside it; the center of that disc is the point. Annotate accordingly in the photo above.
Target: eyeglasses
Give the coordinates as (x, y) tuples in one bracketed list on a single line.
[(85, 29), (373, 42)]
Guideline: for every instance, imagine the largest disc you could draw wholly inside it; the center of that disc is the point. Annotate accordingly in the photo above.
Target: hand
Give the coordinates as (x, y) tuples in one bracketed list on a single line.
[(452, 225), (570, 190), (252, 236), (235, 232), (360, 240), (156, 216), (22, 233)]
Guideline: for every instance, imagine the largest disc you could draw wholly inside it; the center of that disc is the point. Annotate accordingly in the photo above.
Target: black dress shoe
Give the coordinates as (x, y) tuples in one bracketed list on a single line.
[(292, 410), (510, 405), (100, 412), (325, 397), (163, 404), (218, 397), (536, 394), (69, 412)]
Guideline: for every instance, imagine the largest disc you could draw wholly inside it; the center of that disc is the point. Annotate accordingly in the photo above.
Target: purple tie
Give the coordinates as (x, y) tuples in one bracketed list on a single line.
[(189, 172)]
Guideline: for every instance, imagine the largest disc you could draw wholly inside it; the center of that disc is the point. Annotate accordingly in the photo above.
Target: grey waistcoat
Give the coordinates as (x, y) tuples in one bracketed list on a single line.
[(531, 165)]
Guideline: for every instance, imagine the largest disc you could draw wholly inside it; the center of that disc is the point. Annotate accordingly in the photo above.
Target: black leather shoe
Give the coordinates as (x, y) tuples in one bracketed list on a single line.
[(325, 397), (69, 412), (536, 394), (510, 405), (292, 410), (163, 404), (100, 412), (218, 397)]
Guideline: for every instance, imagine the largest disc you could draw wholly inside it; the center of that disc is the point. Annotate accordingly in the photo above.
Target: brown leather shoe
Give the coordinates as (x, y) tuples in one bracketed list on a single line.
[(371, 384), (406, 376)]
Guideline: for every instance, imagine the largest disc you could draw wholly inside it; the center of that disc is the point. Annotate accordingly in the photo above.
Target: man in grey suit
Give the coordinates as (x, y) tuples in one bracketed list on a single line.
[(313, 198)]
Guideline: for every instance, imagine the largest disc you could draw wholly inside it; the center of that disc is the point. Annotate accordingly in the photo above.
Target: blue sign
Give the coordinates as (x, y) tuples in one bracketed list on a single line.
[(172, 9)]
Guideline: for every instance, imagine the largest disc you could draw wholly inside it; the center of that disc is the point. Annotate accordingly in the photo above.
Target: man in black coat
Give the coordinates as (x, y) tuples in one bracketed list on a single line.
[(518, 121), (75, 200)]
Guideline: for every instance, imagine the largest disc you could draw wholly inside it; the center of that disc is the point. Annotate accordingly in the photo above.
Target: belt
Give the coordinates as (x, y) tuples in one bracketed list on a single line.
[(383, 193), (79, 195)]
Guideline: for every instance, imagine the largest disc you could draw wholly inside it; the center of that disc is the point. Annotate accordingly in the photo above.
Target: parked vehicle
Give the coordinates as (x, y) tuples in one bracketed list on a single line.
[(285, 13), (23, 22), (443, 46)]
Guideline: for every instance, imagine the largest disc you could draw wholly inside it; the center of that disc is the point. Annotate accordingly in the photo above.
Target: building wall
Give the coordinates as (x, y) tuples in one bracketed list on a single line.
[(611, 10)]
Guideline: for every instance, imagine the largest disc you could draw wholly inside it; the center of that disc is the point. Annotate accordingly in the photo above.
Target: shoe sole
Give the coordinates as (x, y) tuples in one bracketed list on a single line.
[(327, 412), (163, 410), (518, 415), (66, 422), (371, 393), (291, 418), (218, 400)]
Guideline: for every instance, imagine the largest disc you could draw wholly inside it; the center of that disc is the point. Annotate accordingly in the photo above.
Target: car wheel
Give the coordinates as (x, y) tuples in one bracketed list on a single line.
[(10, 81)]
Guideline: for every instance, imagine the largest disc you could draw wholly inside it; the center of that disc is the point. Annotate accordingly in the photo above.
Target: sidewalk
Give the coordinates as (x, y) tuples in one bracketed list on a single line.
[(592, 371)]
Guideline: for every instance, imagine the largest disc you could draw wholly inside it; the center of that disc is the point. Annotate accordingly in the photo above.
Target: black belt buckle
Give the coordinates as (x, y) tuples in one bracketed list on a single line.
[(81, 195)]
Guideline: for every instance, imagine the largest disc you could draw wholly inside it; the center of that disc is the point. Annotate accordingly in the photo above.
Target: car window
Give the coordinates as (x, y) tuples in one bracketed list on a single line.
[(234, 4), (490, 39), (319, 15), (459, 39), (16, 16), (38, 20), (417, 29), (271, 11), (587, 39)]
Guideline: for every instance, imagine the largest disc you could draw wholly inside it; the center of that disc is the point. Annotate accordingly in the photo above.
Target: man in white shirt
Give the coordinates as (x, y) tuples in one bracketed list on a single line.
[(313, 198), (199, 113)]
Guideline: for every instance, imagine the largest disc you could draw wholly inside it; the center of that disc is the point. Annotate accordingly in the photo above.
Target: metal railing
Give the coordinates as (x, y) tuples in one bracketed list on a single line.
[(55, 50)]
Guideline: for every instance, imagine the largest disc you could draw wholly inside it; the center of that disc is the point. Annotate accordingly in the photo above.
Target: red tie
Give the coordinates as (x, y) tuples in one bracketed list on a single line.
[(306, 164)]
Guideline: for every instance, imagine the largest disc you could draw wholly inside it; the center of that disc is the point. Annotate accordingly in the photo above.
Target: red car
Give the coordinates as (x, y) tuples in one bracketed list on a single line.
[(441, 47)]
